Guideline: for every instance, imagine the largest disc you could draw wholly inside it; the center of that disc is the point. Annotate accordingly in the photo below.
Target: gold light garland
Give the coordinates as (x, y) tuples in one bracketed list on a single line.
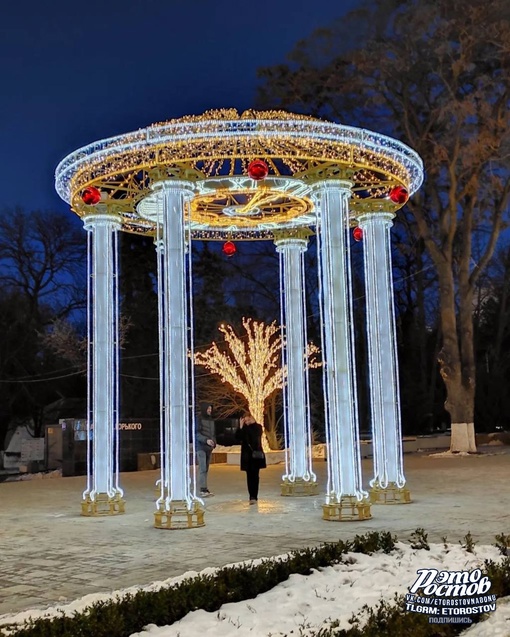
[(252, 364), (221, 143)]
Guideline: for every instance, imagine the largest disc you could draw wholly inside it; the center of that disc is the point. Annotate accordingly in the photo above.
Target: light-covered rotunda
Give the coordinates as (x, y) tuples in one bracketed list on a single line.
[(225, 176)]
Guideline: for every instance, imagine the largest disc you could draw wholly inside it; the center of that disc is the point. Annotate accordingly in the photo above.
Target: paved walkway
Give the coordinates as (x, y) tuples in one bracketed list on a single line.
[(49, 553)]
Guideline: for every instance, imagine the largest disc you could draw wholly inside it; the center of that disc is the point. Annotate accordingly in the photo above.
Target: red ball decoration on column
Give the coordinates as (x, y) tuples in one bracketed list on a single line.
[(399, 195), (357, 233), (91, 196), (229, 248), (258, 169)]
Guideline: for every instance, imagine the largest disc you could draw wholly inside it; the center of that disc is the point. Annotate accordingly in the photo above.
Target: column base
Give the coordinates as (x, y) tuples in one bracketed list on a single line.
[(179, 516), (299, 487), (390, 495), (349, 508), (103, 504)]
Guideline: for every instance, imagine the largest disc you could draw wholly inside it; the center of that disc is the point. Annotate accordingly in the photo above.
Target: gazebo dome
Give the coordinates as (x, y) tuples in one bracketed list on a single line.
[(214, 150)]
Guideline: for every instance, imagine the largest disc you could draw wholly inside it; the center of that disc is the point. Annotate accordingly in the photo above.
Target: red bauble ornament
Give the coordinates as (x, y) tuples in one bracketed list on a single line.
[(91, 196), (357, 233), (258, 169), (399, 195), (229, 248)]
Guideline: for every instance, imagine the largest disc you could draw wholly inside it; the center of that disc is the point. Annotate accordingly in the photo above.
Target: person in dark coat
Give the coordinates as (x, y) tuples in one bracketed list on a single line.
[(249, 434), (205, 443)]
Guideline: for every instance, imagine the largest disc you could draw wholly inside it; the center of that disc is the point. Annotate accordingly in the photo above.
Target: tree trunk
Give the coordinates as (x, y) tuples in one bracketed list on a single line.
[(271, 432), (459, 404), (458, 378)]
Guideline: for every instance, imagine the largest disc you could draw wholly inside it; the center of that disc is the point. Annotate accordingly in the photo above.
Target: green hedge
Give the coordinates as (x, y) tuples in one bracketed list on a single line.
[(130, 614)]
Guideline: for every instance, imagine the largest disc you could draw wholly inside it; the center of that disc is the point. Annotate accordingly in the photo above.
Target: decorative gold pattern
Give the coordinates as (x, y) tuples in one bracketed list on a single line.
[(180, 516), (247, 207), (232, 114), (220, 144), (392, 494), (303, 233), (348, 509), (103, 504), (299, 487)]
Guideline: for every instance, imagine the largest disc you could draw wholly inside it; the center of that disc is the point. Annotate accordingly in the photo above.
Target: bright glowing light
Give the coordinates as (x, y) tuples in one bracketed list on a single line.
[(220, 145), (383, 364), (103, 408), (344, 458), (175, 481), (189, 179), (297, 408), (251, 364)]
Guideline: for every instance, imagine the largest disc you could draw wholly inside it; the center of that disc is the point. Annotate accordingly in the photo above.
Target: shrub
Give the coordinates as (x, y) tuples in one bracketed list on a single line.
[(123, 616)]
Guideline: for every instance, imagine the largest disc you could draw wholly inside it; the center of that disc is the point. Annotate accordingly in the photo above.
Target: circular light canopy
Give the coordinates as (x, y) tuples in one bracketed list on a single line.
[(234, 194)]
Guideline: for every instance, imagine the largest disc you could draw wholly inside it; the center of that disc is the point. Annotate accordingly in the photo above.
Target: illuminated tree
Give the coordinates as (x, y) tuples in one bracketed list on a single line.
[(251, 365)]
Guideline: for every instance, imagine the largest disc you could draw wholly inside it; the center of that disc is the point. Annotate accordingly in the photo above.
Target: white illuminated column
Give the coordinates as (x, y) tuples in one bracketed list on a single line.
[(299, 478), (345, 499), (103, 496), (177, 506), (388, 484)]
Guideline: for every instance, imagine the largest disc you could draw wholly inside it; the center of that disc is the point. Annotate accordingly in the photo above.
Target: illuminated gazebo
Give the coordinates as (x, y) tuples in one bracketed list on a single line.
[(225, 176)]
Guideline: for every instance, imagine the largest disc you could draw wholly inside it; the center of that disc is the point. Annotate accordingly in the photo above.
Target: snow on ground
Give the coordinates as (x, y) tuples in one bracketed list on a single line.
[(457, 454), (42, 475), (232, 449), (309, 602)]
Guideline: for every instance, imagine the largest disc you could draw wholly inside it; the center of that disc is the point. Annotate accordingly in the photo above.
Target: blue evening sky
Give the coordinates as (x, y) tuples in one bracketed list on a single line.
[(75, 72)]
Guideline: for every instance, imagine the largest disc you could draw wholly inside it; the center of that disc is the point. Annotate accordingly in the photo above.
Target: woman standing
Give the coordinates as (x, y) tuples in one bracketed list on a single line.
[(253, 459)]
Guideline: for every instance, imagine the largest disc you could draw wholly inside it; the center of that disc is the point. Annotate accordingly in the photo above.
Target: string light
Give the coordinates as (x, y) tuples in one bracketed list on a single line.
[(382, 358), (299, 464), (344, 457), (223, 143), (192, 175), (251, 364), (103, 493)]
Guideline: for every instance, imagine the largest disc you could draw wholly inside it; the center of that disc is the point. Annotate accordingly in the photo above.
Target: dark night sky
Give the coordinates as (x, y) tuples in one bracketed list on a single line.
[(75, 72)]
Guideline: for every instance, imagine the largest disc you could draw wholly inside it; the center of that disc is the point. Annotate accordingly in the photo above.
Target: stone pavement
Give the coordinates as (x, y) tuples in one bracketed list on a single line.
[(49, 553)]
